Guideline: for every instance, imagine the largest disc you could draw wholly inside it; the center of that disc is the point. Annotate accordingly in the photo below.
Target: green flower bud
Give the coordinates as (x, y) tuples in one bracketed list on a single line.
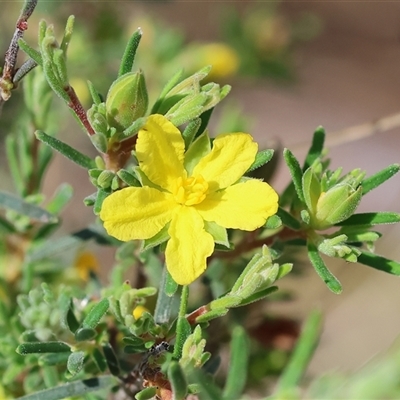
[(336, 205), (105, 179), (127, 100)]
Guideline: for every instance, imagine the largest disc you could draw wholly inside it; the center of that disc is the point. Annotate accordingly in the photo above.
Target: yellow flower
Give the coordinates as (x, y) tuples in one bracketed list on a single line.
[(138, 311), (85, 263), (185, 198)]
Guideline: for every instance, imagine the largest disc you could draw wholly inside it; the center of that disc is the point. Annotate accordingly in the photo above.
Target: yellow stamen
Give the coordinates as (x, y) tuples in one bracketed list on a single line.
[(190, 191)]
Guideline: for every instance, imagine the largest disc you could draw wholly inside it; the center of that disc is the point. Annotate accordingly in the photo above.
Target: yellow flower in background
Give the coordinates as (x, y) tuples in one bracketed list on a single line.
[(85, 263), (223, 58), (138, 311), (210, 192)]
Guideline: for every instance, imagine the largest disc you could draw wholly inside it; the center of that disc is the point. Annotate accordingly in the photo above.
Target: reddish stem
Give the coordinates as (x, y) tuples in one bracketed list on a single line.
[(76, 106)]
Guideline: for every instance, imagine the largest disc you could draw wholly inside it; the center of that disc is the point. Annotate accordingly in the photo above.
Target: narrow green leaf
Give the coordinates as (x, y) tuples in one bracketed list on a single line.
[(130, 52), (75, 362), (227, 301), (379, 262), (83, 334), (322, 270), (183, 330), (42, 347), (370, 219), (380, 177), (176, 78), (178, 381), (54, 358), (262, 157), (129, 178), (191, 131), (69, 28), (238, 365), (94, 93), (60, 199), (101, 195), (147, 394), (163, 309), (96, 314), (208, 316), (52, 248), (316, 147), (30, 51), (258, 296), (208, 389), (273, 222), (50, 376), (301, 356), (32, 211), (13, 163), (295, 172), (170, 286), (111, 358), (73, 389), (66, 150), (288, 220)]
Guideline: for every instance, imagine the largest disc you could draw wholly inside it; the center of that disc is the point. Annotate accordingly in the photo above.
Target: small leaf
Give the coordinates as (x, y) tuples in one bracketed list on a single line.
[(170, 285), (208, 389), (208, 316), (146, 394), (96, 314), (66, 150), (380, 263), (191, 131), (262, 157), (111, 358), (157, 239), (54, 358), (227, 301), (321, 269), (129, 178), (370, 219), (99, 359), (303, 352), (288, 219), (32, 211), (83, 334), (273, 222), (178, 381), (262, 294), (75, 362), (380, 177), (101, 195), (183, 330), (316, 147), (75, 389), (295, 172), (42, 347), (129, 54), (60, 198), (238, 365)]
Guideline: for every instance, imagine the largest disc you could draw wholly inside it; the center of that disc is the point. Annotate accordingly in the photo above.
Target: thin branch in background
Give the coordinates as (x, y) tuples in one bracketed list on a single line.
[(10, 60), (357, 132)]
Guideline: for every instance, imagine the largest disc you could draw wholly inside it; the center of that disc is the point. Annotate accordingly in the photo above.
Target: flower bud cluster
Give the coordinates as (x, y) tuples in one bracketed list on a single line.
[(329, 198)]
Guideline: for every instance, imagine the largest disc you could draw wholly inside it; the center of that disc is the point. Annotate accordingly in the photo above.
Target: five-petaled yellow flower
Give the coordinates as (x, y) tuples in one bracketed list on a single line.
[(210, 191)]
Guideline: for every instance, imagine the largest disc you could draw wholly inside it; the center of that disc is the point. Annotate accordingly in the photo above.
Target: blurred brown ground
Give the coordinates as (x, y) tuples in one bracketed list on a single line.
[(348, 76)]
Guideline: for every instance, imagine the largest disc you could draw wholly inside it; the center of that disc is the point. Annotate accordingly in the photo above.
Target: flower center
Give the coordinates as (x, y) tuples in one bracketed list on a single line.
[(191, 190)]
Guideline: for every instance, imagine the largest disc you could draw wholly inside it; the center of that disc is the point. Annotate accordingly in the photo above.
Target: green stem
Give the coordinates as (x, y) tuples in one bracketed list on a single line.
[(162, 312), (183, 328)]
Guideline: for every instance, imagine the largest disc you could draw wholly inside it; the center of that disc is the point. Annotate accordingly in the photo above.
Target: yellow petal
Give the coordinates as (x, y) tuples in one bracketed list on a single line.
[(188, 247), (243, 206), (136, 212), (230, 157), (160, 151)]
